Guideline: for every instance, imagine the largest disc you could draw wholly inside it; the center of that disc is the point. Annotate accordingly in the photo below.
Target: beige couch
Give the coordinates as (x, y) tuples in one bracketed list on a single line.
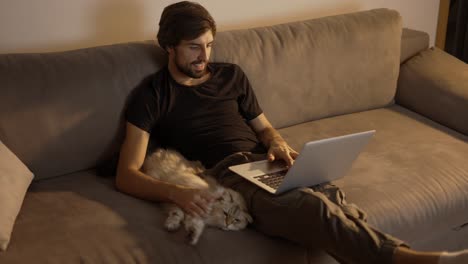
[(61, 114)]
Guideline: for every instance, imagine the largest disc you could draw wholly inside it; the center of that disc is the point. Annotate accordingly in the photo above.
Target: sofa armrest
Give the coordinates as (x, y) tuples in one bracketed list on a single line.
[(435, 84), (412, 42)]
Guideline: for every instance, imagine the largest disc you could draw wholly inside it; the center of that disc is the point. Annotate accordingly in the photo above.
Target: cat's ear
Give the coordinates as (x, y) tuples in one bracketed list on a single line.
[(218, 192), (249, 218), (235, 210)]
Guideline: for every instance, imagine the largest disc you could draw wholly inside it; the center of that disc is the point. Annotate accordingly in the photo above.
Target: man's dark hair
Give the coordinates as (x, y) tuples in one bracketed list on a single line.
[(183, 21)]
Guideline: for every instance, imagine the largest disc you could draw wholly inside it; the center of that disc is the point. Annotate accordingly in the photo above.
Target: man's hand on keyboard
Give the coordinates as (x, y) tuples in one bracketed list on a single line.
[(279, 149)]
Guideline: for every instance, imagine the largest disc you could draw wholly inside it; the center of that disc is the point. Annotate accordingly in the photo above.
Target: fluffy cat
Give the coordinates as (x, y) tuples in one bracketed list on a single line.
[(229, 211)]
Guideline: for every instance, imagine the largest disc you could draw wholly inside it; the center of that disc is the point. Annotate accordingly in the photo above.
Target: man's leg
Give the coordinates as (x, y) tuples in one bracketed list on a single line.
[(314, 219), (322, 219)]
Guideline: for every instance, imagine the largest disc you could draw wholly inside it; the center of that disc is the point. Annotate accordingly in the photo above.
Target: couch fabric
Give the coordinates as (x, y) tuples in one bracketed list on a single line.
[(318, 60), (51, 101), (315, 79), (414, 167), (412, 42), (82, 219), (435, 84)]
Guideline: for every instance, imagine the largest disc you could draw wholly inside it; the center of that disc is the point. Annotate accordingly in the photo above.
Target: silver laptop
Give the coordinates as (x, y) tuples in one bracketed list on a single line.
[(318, 162)]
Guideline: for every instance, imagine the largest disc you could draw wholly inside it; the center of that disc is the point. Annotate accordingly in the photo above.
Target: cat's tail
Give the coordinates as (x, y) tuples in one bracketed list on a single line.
[(222, 167)]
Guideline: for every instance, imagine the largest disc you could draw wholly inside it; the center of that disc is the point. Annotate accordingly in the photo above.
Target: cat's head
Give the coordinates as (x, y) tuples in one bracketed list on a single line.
[(231, 211)]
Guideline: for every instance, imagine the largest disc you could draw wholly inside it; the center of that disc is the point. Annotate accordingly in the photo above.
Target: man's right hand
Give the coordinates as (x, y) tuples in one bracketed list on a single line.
[(196, 202), (132, 181)]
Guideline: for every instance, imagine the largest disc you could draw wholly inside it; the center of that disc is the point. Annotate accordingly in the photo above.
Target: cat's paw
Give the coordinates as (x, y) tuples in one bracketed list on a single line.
[(193, 235), (194, 228), (174, 220), (171, 225)]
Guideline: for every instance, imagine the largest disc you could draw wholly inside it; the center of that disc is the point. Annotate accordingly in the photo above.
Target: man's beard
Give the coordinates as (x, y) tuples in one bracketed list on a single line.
[(189, 71)]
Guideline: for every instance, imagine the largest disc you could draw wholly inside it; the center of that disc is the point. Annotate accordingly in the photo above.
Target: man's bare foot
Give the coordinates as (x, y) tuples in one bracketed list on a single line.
[(408, 256), (458, 257)]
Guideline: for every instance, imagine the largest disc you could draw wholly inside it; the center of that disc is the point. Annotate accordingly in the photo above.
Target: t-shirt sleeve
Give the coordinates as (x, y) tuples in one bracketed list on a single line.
[(248, 104), (143, 108)]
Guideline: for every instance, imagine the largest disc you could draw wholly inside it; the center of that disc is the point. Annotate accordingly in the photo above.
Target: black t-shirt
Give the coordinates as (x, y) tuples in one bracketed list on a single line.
[(206, 122)]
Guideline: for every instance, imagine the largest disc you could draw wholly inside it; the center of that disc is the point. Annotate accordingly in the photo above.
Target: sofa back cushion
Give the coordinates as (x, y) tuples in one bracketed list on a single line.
[(61, 112), (318, 68)]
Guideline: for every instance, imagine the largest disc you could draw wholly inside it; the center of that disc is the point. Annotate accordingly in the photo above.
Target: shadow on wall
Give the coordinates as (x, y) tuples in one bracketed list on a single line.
[(110, 22), (118, 21), (346, 7)]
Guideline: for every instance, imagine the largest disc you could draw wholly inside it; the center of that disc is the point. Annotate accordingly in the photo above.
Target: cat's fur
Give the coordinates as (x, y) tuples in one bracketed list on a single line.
[(228, 212)]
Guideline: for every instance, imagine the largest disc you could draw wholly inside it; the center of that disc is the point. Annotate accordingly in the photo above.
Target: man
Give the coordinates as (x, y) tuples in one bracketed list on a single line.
[(208, 111)]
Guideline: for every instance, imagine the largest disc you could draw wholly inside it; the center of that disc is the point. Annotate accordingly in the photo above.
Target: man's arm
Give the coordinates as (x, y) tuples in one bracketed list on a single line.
[(277, 146), (132, 181)]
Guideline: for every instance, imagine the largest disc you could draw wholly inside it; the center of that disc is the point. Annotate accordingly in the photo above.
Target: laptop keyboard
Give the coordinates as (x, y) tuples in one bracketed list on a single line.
[(273, 179)]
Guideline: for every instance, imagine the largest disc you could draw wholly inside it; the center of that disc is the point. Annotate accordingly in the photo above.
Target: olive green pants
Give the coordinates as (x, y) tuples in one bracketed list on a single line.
[(315, 217)]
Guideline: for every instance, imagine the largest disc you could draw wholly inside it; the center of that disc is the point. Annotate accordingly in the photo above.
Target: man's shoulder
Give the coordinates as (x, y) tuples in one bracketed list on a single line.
[(158, 80), (161, 74), (150, 86)]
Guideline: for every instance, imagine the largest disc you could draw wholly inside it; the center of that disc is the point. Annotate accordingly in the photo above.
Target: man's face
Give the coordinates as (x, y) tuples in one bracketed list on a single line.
[(191, 56)]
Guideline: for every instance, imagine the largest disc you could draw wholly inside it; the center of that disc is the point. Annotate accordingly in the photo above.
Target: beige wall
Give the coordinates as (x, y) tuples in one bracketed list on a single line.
[(54, 25)]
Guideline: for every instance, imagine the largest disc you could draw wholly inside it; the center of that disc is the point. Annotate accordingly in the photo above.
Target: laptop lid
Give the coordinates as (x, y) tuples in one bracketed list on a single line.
[(318, 162), (324, 160)]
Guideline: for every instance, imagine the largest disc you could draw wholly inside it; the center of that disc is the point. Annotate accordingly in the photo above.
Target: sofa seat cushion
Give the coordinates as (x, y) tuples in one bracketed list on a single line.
[(412, 178), (81, 218)]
